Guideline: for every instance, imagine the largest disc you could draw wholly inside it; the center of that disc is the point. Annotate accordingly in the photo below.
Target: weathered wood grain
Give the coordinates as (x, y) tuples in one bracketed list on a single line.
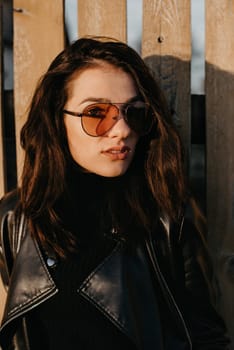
[(102, 17), (2, 189), (166, 47), (2, 299), (2, 172), (38, 37), (220, 144)]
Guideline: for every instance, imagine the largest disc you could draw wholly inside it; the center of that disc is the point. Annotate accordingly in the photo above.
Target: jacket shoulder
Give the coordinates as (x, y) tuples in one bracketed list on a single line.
[(7, 205), (8, 202)]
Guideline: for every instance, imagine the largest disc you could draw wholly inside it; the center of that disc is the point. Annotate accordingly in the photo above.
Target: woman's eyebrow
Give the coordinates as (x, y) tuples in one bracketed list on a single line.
[(95, 99), (106, 100)]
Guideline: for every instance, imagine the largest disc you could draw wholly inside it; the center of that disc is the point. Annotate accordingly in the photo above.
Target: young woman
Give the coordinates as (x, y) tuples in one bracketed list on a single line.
[(100, 246)]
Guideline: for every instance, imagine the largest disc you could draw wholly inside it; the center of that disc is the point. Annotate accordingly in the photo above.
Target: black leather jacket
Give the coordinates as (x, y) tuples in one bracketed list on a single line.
[(171, 262)]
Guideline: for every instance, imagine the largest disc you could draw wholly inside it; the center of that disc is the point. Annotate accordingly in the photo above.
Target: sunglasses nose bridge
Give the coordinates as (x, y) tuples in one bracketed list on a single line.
[(121, 111)]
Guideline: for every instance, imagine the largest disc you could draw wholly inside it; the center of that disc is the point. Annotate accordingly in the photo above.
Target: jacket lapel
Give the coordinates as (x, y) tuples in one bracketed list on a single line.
[(121, 288), (30, 281)]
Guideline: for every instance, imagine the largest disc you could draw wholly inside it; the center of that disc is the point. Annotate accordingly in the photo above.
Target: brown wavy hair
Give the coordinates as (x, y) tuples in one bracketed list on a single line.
[(156, 180)]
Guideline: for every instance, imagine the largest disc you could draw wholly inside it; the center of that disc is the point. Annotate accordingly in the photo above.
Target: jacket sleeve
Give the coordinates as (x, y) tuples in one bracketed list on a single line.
[(7, 205), (207, 328)]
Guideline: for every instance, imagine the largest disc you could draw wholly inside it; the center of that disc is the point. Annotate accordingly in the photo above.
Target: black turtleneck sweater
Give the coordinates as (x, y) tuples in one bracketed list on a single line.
[(67, 320)]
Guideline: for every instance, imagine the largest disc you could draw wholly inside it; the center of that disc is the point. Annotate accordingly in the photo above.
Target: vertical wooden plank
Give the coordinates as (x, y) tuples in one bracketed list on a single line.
[(220, 144), (2, 299), (102, 17), (38, 37), (2, 292), (166, 48), (2, 173)]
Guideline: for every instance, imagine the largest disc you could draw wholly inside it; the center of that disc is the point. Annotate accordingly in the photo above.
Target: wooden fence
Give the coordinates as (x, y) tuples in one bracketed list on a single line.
[(39, 35)]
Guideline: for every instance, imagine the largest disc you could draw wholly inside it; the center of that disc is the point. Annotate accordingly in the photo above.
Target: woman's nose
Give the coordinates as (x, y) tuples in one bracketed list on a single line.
[(120, 128)]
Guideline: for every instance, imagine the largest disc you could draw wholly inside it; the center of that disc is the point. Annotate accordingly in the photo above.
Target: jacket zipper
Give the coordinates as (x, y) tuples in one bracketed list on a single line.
[(164, 285)]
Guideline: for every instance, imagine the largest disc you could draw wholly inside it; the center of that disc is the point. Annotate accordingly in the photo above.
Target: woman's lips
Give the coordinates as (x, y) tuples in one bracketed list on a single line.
[(117, 153)]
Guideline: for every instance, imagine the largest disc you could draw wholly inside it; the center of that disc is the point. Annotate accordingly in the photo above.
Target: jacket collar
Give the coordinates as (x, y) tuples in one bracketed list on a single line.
[(30, 282), (120, 287)]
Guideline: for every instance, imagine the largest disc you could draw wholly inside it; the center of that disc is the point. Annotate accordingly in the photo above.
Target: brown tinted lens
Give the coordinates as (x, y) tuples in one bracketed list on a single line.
[(98, 118), (109, 121)]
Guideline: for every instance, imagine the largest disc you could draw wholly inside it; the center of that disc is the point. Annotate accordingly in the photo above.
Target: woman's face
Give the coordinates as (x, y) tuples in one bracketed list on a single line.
[(110, 154)]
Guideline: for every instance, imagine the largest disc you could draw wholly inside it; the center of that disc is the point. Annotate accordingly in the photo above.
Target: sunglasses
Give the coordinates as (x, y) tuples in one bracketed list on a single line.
[(98, 118)]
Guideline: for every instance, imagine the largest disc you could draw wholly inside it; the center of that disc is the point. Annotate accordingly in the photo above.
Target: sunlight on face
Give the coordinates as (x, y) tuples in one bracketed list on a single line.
[(110, 154)]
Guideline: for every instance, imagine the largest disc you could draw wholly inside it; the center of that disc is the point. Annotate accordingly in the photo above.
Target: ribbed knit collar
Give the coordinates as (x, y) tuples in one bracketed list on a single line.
[(83, 208)]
